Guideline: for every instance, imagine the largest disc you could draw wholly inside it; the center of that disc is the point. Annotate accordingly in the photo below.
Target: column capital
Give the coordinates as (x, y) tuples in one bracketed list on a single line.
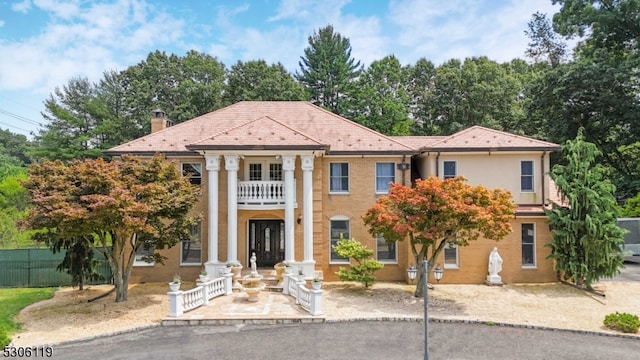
[(307, 162), (213, 162), (232, 162), (288, 162)]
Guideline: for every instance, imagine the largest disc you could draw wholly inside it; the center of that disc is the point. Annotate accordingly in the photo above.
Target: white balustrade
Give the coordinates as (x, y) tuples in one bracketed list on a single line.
[(261, 193), (182, 301)]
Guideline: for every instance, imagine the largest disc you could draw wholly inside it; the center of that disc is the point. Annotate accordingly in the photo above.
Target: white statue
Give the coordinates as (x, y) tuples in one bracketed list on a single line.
[(495, 262), (495, 266), (254, 267)]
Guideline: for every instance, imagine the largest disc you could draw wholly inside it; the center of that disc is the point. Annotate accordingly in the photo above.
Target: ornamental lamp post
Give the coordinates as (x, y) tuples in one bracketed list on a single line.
[(437, 274)]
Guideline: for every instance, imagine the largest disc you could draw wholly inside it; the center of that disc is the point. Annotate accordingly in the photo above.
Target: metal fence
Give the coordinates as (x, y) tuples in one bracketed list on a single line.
[(37, 268)]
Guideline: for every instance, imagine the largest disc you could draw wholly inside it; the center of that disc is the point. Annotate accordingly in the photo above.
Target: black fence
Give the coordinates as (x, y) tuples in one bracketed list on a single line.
[(37, 268)]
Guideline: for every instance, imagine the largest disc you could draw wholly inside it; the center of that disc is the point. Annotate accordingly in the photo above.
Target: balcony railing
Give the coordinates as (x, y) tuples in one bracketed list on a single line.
[(262, 194)]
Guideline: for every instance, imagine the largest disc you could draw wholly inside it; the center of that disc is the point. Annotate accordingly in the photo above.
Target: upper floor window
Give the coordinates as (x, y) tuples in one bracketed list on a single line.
[(385, 250), (528, 245), (449, 169), (385, 174), (339, 177), (263, 170), (191, 249), (526, 175), (338, 229), (193, 171)]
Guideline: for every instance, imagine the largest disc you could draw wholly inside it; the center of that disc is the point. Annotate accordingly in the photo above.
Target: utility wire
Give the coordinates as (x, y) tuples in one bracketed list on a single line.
[(15, 127), (18, 117)]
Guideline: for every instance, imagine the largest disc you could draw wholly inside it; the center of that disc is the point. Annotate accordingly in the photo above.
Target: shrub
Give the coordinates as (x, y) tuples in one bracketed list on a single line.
[(364, 268), (627, 323), (4, 338)]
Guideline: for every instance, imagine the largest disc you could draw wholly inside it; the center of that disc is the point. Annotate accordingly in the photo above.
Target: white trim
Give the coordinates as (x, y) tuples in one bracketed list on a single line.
[(533, 177), (535, 253), (387, 261), (375, 177), (457, 264), (333, 192), (338, 218)]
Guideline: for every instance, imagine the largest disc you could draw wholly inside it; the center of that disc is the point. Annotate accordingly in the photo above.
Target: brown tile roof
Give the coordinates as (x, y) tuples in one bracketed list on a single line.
[(252, 124), (477, 138), (418, 142)]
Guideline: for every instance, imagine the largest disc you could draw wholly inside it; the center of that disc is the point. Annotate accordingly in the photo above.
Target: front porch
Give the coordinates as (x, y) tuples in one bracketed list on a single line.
[(279, 303)]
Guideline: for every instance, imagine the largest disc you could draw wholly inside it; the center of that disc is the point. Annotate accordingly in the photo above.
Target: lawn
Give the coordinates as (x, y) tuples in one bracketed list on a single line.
[(14, 300)]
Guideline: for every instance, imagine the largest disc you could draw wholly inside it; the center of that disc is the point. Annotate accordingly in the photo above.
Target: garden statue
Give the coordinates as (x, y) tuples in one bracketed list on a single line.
[(495, 266)]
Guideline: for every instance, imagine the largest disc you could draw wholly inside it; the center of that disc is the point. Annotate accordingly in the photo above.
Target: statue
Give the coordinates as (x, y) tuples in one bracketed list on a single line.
[(254, 267), (495, 266)]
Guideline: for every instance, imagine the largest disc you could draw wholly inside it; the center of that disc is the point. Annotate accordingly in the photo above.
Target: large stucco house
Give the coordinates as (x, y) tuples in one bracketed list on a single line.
[(286, 179)]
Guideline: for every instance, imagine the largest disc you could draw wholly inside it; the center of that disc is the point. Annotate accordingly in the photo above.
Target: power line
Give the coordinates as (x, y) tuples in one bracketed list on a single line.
[(18, 117), (15, 127)]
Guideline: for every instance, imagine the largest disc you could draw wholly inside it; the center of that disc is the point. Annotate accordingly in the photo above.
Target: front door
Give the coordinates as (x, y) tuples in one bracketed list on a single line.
[(266, 239)]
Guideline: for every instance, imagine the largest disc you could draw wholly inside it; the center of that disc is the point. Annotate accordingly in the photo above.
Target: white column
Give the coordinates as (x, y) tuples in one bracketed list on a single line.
[(307, 203), (213, 169), (288, 166), (231, 164)]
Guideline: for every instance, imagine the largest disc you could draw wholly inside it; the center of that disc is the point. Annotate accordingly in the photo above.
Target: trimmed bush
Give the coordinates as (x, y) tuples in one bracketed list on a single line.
[(364, 267), (627, 323)]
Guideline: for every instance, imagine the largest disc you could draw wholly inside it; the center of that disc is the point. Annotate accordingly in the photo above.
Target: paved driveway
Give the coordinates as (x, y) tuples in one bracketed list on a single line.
[(631, 272), (351, 340)]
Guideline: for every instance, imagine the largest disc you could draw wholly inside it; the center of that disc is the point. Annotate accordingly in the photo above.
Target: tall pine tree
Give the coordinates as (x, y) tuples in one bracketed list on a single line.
[(586, 238), (327, 70)]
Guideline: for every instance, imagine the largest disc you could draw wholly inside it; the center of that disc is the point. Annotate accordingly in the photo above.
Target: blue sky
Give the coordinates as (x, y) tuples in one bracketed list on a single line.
[(44, 43)]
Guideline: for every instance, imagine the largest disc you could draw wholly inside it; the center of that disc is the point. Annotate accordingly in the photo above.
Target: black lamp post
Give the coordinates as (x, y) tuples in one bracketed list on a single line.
[(437, 274)]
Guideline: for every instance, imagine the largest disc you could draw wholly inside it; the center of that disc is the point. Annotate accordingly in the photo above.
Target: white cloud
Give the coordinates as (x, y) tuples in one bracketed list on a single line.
[(22, 7), (85, 41)]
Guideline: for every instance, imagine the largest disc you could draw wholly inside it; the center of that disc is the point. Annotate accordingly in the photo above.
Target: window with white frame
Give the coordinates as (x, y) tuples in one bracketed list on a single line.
[(386, 251), (526, 175), (193, 171), (338, 229), (191, 249), (339, 177), (385, 174), (528, 245), (143, 252), (451, 256), (263, 170), (449, 169)]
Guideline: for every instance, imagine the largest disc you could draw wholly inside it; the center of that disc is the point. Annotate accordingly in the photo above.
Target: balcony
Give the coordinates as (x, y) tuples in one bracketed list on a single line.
[(262, 195)]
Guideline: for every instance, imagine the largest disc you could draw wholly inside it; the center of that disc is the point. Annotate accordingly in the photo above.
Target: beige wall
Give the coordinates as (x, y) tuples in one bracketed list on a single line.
[(473, 259), (493, 170)]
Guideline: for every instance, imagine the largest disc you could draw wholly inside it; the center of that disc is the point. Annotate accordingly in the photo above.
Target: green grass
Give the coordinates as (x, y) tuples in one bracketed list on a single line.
[(14, 300)]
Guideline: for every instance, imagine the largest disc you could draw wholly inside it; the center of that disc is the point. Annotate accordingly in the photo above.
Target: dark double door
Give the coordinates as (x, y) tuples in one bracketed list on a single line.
[(266, 239)]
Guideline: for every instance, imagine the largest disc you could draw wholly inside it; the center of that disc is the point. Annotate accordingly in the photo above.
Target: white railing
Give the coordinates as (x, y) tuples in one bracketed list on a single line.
[(182, 301), (261, 193), (309, 299)]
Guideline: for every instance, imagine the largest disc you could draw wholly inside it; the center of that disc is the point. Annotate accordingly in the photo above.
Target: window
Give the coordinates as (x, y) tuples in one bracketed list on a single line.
[(386, 250), (528, 245), (193, 171), (385, 173), (526, 175), (451, 256), (142, 252), (449, 169), (191, 249), (338, 229), (339, 177), (263, 170)]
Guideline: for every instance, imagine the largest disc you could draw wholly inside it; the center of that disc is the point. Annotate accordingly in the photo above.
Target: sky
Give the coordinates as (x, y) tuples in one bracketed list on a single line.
[(45, 43)]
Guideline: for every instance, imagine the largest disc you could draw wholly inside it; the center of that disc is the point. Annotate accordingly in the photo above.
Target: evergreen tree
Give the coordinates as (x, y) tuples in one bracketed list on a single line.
[(586, 238), (327, 70)]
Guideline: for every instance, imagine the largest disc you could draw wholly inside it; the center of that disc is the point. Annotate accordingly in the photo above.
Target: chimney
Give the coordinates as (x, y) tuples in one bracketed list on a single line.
[(158, 121)]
